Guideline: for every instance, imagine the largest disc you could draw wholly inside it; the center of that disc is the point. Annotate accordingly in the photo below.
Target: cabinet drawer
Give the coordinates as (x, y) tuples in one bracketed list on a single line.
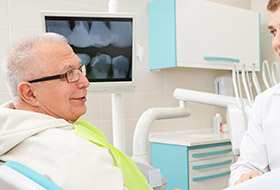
[(209, 164), (210, 180), (208, 153)]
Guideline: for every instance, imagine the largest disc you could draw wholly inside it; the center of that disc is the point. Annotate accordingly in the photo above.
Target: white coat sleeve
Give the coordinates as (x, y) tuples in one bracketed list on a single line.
[(253, 153)]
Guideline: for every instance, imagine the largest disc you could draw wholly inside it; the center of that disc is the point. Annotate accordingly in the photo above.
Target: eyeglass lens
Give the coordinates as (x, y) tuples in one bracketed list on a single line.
[(73, 74)]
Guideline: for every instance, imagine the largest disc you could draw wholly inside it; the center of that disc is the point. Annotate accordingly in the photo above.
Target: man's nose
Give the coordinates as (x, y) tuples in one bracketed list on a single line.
[(83, 81)]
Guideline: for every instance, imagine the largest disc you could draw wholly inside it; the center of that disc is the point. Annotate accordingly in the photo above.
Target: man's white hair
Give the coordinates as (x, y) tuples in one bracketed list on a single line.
[(16, 65)]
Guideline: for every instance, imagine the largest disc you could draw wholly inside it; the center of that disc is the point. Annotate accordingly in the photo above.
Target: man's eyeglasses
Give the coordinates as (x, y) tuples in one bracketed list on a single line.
[(71, 75)]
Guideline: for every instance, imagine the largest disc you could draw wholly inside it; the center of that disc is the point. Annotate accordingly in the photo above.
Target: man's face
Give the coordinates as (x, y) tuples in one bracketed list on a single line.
[(274, 28), (57, 97)]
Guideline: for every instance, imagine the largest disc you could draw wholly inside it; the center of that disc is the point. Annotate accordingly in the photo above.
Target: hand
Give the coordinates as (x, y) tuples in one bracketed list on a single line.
[(247, 176)]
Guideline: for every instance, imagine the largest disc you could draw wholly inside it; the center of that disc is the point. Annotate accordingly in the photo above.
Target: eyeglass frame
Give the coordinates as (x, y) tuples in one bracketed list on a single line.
[(60, 76)]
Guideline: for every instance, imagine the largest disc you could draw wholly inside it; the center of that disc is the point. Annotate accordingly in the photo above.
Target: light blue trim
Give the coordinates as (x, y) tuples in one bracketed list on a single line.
[(175, 34), (34, 176), (197, 155), (212, 165), (210, 145), (210, 58), (211, 176), (172, 161), (260, 41), (162, 34)]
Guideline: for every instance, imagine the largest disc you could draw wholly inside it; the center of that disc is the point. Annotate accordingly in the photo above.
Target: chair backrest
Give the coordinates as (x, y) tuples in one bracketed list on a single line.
[(15, 176)]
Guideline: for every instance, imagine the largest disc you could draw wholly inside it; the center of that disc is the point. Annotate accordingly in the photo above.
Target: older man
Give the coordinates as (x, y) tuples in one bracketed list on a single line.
[(260, 145), (48, 92)]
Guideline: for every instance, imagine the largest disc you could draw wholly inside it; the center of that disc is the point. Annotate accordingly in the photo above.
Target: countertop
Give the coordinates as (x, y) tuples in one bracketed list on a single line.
[(189, 137)]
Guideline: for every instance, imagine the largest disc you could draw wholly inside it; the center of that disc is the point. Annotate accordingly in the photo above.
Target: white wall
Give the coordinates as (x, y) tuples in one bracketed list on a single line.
[(20, 18)]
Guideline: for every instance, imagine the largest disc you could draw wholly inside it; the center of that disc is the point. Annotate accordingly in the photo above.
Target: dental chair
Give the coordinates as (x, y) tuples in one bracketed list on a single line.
[(145, 168), (15, 176)]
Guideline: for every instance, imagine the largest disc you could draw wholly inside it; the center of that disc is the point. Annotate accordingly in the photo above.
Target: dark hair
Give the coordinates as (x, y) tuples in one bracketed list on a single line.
[(273, 5)]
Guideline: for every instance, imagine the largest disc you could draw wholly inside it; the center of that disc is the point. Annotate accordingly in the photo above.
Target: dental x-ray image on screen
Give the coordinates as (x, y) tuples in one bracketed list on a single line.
[(103, 43)]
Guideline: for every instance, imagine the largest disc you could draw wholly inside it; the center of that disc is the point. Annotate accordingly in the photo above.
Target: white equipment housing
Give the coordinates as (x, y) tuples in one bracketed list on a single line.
[(235, 116)]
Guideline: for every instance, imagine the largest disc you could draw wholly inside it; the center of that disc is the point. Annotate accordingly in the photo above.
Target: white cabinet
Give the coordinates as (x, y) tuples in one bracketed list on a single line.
[(202, 34)]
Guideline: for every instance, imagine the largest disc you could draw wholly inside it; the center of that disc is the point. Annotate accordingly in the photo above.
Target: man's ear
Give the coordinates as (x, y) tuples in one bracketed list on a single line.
[(26, 93)]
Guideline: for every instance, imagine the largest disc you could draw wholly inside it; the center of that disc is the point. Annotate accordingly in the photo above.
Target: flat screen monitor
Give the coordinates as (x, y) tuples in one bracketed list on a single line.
[(103, 41)]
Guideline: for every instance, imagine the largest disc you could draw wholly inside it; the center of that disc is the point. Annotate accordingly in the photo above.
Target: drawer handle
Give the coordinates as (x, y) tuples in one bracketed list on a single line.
[(211, 153), (211, 176), (212, 165), (209, 58)]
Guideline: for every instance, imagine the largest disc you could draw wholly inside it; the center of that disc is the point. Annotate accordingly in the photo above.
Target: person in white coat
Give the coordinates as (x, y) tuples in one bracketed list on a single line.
[(44, 77), (260, 150)]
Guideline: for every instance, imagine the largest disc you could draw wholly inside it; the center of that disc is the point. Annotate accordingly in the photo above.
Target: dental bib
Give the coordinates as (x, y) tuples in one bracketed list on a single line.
[(133, 178)]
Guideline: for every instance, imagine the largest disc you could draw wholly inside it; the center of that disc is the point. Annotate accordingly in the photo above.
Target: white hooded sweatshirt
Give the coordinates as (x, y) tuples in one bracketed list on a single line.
[(50, 147)]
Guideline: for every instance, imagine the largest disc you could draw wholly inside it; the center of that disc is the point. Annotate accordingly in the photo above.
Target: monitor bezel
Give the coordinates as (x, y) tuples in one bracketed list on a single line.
[(114, 86)]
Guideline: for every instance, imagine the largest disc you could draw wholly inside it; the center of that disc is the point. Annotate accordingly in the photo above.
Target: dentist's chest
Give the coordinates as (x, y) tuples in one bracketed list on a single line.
[(271, 132)]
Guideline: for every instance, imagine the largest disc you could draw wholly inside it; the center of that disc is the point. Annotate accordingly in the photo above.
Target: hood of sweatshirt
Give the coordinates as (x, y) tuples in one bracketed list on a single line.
[(18, 125)]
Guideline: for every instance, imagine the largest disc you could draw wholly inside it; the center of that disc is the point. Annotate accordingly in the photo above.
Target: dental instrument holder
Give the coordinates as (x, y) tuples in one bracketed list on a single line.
[(237, 130), (140, 139)]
